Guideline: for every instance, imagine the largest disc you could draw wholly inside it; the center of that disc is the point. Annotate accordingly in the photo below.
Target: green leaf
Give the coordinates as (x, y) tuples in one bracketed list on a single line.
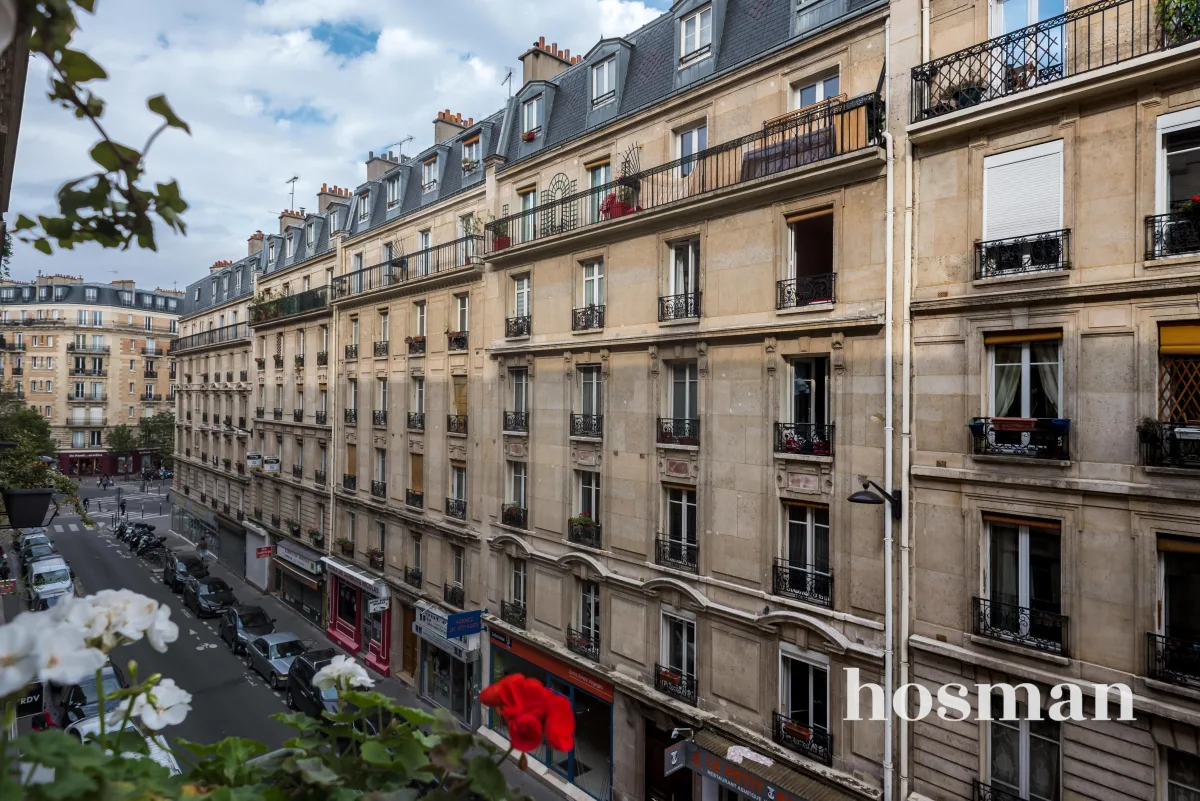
[(315, 771), (43, 245), (486, 778), (24, 223), (374, 753), (158, 104), (79, 67), (410, 754)]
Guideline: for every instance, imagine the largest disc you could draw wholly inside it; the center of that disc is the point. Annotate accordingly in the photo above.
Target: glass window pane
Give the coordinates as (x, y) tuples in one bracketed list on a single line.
[(1006, 755), (808, 95), (820, 698), (1043, 769), (830, 87), (1004, 564)]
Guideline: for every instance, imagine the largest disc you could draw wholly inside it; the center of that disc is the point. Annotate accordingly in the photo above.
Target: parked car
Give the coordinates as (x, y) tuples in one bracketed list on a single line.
[(48, 575), (32, 552), (208, 596), (302, 694), (155, 745), (40, 601), (81, 701), (271, 656), (241, 623), (25, 533), (182, 567), (30, 540)]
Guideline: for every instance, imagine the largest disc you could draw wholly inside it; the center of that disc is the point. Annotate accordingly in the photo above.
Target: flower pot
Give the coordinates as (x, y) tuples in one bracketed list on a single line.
[(500, 242), (1013, 423), (347, 550), (977, 429), (1060, 426), (26, 508), (620, 209), (376, 562), (968, 96), (318, 541), (793, 729)]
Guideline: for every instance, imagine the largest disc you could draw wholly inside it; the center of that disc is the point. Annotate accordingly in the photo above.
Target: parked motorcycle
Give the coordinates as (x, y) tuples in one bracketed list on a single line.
[(150, 543)]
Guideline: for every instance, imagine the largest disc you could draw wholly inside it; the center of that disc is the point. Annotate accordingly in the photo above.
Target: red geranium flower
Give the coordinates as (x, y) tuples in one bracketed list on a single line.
[(531, 709), (560, 723), (525, 732)]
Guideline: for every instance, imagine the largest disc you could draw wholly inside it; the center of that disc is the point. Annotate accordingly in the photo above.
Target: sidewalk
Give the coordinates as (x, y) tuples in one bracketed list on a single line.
[(287, 619)]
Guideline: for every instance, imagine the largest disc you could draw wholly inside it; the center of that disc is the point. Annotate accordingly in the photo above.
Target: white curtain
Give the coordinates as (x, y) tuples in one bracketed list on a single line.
[(1046, 359), (1008, 380)]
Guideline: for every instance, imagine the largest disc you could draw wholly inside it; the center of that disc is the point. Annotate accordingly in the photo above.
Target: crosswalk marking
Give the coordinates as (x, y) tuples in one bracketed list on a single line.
[(58, 529), (73, 527)]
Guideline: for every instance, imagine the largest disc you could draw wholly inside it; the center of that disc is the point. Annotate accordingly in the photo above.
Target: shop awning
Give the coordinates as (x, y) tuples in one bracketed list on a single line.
[(1179, 340), (304, 558), (298, 575), (359, 578), (755, 776)]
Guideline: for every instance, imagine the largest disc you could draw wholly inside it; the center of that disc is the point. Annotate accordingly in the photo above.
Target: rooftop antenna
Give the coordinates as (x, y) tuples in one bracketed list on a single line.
[(508, 80), (292, 181), (399, 145)]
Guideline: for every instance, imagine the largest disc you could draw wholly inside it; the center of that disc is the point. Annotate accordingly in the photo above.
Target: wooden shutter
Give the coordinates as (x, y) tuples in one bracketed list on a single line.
[(351, 459), (418, 472), (1022, 191)]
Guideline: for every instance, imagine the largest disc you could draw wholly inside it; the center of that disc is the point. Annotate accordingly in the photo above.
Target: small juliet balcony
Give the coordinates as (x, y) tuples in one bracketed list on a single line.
[(349, 482), (260, 412), (416, 345), (319, 478), (806, 290), (518, 327), (679, 307), (1035, 253), (804, 439), (678, 431), (456, 508), (1169, 444), (278, 361), (297, 415), (277, 414), (457, 340), (453, 594), (588, 426), (416, 421), (986, 792), (583, 530), (350, 417), (675, 683), (414, 498), (587, 318), (412, 577), (379, 489), (456, 424), (321, 418), (379, 418), (516, 422), (1173, 660), (513, 515), (802, 582), (380, 349), (678, 554), (513, 613), (1041, 630), (297, 471), (584, 643), (1173, 234), (322, 358), (1025, 437), (298, 360), (812, 742), (351, 352)]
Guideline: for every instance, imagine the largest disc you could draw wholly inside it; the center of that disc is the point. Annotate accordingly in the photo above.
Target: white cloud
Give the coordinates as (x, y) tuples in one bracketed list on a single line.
[(266, 100)]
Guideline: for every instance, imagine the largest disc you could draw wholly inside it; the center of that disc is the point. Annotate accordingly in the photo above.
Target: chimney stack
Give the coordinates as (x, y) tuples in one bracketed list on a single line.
[(378, 165), (288, 217), (448, 125), (219, 265), (543, 61), (328, 194), (255, 243)]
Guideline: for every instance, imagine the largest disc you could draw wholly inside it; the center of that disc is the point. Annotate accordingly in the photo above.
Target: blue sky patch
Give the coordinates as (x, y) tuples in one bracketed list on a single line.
[(345, 39)]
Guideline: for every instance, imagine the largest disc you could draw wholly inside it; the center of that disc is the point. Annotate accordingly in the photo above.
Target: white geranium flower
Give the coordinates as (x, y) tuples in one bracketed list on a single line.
[(342, 673), (162, 631), (61, 656), (166, 704), (17, 665)]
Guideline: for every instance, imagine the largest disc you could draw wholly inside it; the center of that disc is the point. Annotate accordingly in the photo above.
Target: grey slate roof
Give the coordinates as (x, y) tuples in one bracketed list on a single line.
[(106, 295), (246, 267)]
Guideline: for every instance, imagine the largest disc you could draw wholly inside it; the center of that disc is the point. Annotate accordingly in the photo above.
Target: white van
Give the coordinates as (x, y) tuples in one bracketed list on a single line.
[(50, 577)]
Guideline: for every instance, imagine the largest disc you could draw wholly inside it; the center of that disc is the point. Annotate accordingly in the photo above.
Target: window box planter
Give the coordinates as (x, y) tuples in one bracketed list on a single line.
[(1018, 424), (1060, 426), (794, 729), (319, 540), (346, 547), (500, 242), (670, 677), (529, 136), (375, 558), (26, 508)]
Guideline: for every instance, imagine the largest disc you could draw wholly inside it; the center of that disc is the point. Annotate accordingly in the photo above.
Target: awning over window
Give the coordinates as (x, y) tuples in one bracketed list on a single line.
[(1013, 520), (1013, 337), (1178, 544), (1179, 340)]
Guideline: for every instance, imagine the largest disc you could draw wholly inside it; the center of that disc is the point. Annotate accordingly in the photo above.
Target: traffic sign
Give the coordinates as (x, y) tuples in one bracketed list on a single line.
[(263, 552)]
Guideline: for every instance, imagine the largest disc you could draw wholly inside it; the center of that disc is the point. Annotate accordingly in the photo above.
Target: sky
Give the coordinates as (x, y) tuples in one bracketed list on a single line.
[(273, 89)]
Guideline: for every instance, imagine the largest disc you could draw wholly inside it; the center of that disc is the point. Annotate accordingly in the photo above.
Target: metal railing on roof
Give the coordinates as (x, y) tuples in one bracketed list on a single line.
[(213, 336)]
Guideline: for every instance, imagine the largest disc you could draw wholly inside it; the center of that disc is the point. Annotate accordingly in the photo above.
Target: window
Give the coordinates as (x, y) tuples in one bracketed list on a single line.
[(589, 610), (531, 115), (78, 439), (591, 391), (470, 154), (598, 176), (462, 311), (681, 524), (815, 92), (691, 142), (679, 645), (237, 280), (806, 550), (458, 481), (811, 257), (1024, 756), (354, 331), (695, 35), (270, 257), (420, 318), (1179, 567), (528, 204), (517, 472), (1012, 15), (381, 464), (94, 439), (685, 273), (424, 243), (518, 582), (291, 245), (604, 81), (1181, 147), (809, 397), (459, 568), (310, 235), (1023, 192), (1024, 585), (593, 283), (381, 394), (1026, 376), (804, 693), (520, 385), (521, 296), (1183, 776), (97, 319), (364, 211), (684, 384), (90, 294), (429, 175), (173, 326), (589, 494), (393, 191), (384, 328)]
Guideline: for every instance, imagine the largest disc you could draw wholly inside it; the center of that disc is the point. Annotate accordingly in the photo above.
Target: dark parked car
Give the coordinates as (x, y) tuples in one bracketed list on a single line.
[(302, 694), (208, 596), (34, 552), (240, 624), (80, 701), (180, 567)]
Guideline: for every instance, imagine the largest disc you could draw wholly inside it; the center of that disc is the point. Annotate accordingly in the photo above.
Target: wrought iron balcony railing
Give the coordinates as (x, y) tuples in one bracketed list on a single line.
[(83, 347), (456, 424), (678, 431), (1172, 234), (590, 426), (378, 489), (802, 582), (1081, 40), (310, 300), (807, 439), (587, 318), (675, 683), (416, 346), (297, 471), (806, 290), (513, 515), (79, 372), (457, 340), (412, 576), (783, 144), (513, 613), (584, 643), (380, 349), (277, 414), (298, 360), (516, 422), (517, 327), (1173, 660), (152, 351), (456, 508), (278, 361), (453, 595), (584, 532), (985, 792), (1170, 445), (352, 351), (1041, 630), (807, 740), (679, 307), (349, 482), (321, 418), (322, 358), (275, 521), (412, 267), (297, 415), (319, 478), (414, 498), (416, 421), (379, 418), (1029, 437), (350, 416), (679, 554), (1035, 253), (259, 412)]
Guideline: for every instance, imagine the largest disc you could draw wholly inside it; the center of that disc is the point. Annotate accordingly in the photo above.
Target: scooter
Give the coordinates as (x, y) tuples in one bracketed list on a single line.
[(149, 544), (140, 532)]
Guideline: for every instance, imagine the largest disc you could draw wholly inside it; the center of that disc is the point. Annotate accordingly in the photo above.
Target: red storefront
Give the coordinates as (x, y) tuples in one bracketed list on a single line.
[(360, 613)]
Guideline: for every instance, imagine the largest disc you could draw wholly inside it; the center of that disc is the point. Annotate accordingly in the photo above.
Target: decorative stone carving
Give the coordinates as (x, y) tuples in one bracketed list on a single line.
[(702, 359), (568, 366), (515, 447), (654, 363), (416, 445), (585, 454), (837, 351)]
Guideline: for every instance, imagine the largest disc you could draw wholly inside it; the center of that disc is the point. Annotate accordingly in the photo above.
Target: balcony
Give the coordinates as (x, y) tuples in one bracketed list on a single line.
[(298, 361), (1169, 444), (86, 397), (783, 144), (379, 489), (679, 307), (678, 554), (203, 458), (582, 530), (75, 372), (243, 376), (804, 439), (259, 412), (456, 508), (456, 340), (1032, 628), (587, 318), (13, 346), (228, 376), (513, 613), (1084, 39), (518, 327), (412, 577), (456, 424), (1172, 234), (277, 414), (18, 371), (297, 415), (516, 422), (152, 351), (416, 421), (260, 362), (241, 423), (349, 482), (228, 421), (453, 595), (678, 431), (297, 471), (1026, 437), (675, 683), (588, 426), (416, 346), (802, 582), (319, 478), (586, 644), (813, 743), (257, 513), (81, 347), (227, 464), (414, 498), (275, 521), (381, 350), (310, 300), (322, 358), (513, 515), (1035, 253), (241, 468), (808, 290), (985, 792), (150, 374), (379, 418), (1173, 660), (213, 336), (277, 360), (152, 397), (204, 418), (351, 352), (412, 267), (350, 417)]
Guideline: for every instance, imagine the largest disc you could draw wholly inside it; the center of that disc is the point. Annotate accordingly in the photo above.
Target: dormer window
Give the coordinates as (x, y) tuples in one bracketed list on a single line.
[(237, 281), (310, 234), (695, 35), (291, 249), (271, 251), (393, 191), (531, 114), (90, 294), (363, 212), (604, 81), (127, 298), (429, 175), (470, 154)]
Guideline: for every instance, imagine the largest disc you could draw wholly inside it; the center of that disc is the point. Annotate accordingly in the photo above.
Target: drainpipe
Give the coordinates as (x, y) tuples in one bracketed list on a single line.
[(906, 450), (889, 395)]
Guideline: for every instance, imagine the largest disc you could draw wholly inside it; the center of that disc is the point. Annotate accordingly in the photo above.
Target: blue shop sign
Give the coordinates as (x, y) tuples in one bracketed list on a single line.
[(463, 624)]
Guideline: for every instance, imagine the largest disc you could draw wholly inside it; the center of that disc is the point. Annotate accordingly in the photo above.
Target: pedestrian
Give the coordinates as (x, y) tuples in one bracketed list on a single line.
[(86, 504), (122, 507)]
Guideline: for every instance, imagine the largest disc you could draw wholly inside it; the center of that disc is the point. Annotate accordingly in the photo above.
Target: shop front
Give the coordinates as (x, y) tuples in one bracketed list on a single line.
[(193, 521), (86, 463), (360, 614), (298, 578), (230, 546), (449, 666), (589, 765)]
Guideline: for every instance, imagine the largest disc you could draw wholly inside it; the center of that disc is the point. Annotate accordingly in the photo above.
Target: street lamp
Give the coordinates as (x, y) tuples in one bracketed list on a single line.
[(865, 495)]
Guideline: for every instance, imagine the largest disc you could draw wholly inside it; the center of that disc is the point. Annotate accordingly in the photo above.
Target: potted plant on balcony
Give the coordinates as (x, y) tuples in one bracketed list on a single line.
[(293, 527), (978, 427), (1149, 430), (669, 676), (500, 238), (468, 165), (966, 92), (375, 555), (1059, 426), (529, 136), (346, 546), (585, 524), (797, 731), (28, 483), (318, 539), (510, 515), (1180, 21)]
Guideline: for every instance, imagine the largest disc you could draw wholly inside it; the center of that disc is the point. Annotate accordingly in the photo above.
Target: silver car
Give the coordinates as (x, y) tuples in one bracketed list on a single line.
[(88, 728), (271, 656)]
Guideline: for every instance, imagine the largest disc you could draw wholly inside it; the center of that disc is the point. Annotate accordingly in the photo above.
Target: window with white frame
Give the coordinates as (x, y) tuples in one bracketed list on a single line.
[(679, 645), (517, 483), (805, 567), (1180, 158), (531, 114), (1024, 580), (462, 311), (518, 594), (384, 327), (393, 190), (1023, 191), (270, 257), (809, 92), (1025, 756), (807, 400), (593, 283), (354, 331), (416, 550), (803, 696), (459, 559), (1179, 593), (381, 464), (352, 394), (591, 391), (418, 384), (521, 296), (684, 401), (364, 209), (689, 142), (680, 526), (528, 204), (424, 243), (470, 154), (520, 390), (90, 294), (381, 394), (429, 174), (598, 176), (310, 234), (589, 610), (1026, 375), (695, 35), (589, 494), (685, 273), (291, 245), (458, 482), (604, 81)]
